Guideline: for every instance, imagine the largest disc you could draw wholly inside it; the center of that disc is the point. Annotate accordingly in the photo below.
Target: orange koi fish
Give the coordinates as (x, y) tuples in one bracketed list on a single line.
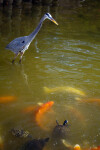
[(90, 100), (93, 148), (1, 143), (41, 111), (30, 109), (77, 147), (7, 99), (33, 108), (69, 146)]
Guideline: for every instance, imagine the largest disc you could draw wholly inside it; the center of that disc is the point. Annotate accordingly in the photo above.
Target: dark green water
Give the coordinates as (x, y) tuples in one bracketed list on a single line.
[(67, 55)]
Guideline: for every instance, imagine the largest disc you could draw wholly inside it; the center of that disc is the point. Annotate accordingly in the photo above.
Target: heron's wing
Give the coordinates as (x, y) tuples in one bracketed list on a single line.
[(17, 44)]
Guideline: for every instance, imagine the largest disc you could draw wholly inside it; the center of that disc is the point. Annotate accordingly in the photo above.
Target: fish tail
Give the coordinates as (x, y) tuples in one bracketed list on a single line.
[(39, 122), (66, 144)]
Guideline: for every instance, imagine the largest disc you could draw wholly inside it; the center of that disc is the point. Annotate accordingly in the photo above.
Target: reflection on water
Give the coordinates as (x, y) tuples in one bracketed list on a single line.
[(60, 56)]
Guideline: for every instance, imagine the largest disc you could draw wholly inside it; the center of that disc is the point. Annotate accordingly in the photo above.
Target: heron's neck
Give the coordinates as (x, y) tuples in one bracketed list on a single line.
[(34, 33)]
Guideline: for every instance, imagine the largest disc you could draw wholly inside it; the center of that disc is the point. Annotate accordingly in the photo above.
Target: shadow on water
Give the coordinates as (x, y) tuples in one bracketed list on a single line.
[(60, 57)]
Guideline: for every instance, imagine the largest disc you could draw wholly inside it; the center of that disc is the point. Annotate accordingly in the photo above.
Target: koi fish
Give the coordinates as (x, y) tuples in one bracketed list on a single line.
[(69, 146), (40, 113), (64, 88), (76, 113), (1, 144), (90, 100), (95, 148), (7, 99), (77, 147), (75, 91), (30, 109)]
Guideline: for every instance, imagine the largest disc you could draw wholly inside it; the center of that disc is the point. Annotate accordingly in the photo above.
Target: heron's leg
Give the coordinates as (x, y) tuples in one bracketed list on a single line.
[(21, 53), (15, 57)]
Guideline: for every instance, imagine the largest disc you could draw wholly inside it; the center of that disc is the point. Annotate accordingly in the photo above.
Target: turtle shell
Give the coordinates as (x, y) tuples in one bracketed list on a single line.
[(20, 133), (61, 130), (35, 144)]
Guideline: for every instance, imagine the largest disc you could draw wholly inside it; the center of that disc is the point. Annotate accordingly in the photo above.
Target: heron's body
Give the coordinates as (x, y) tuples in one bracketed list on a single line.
[(21, 44), (18, 45)]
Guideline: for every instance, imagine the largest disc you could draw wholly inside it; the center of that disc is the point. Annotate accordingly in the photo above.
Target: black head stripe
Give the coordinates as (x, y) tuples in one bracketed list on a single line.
[(47, 14)]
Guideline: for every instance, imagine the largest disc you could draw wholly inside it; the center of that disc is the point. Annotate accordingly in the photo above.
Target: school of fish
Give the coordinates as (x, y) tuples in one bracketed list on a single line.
[(39, 111)]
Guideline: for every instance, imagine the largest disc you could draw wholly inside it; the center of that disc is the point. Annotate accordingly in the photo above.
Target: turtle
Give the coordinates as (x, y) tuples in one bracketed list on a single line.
[(61, 130), (35, 144), (20, 133)]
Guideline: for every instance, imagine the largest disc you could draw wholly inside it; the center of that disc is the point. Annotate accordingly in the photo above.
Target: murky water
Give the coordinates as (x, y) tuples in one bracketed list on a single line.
[(61, 56)]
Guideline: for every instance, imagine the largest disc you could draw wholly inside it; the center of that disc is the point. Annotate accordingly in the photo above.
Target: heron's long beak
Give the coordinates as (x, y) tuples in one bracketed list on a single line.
[(53, 21)]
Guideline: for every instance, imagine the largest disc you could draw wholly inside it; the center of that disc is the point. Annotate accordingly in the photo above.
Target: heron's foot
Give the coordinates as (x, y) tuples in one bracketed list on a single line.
[(13, 61), (21, 53), (20, 61), (15, 57)]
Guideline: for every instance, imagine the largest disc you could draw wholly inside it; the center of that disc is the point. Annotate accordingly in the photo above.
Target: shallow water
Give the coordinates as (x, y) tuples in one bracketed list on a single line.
[(60, 56)]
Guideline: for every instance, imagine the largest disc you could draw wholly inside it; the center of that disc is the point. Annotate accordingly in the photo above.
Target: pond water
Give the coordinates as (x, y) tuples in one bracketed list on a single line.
[(60, 57)]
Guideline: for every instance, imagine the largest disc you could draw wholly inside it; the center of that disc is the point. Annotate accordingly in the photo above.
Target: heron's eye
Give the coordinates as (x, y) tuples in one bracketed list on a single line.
[(23, 42), (47, 14)]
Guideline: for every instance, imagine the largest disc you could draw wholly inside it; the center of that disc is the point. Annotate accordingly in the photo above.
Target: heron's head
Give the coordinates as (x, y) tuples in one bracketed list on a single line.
[(48, 16)]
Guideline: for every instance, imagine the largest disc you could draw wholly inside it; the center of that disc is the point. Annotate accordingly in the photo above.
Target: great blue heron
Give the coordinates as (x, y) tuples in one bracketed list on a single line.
[(21, 44)]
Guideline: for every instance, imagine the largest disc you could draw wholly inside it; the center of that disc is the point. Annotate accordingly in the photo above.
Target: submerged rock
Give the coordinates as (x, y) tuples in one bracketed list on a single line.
[(20, 133)]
